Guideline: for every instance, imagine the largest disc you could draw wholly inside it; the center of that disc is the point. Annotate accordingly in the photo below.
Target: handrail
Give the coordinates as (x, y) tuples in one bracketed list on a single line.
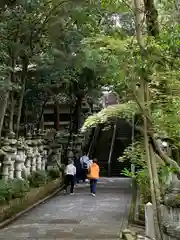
[(111, 149), (93, 140)]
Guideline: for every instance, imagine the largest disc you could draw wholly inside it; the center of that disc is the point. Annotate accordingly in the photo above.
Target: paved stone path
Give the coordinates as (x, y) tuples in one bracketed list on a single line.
[(80, 216)]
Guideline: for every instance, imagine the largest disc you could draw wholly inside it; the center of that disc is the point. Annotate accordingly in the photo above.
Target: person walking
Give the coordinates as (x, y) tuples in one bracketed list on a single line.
[(85, 162), (70, 173), (93, 176), (78, 166)]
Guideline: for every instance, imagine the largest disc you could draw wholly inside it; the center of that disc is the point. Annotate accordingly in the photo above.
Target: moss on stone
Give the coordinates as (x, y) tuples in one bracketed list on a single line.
[(172, 200), (178, 196)]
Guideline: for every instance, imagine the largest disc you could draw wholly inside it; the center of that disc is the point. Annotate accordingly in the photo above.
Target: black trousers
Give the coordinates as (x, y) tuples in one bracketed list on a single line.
[(69, 180)]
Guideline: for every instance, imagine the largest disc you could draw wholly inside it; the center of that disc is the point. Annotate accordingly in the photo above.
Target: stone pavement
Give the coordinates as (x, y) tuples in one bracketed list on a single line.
[(80, 216)]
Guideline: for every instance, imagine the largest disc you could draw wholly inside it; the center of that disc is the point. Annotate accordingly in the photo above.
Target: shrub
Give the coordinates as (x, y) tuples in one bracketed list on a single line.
[(5, 190), (15, 188), (2, 200), (38, 178), (19, 188), (54, 173)]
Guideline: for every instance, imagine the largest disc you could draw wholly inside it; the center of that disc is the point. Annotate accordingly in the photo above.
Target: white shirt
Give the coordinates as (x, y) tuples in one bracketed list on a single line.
[(70, 169)]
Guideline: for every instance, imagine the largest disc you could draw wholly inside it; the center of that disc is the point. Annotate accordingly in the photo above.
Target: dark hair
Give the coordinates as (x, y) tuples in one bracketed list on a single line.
[(95, 160), (70, 161)]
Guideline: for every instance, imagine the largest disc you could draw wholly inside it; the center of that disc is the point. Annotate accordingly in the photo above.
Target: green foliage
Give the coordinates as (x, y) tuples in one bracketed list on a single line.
[(12, 189), (38, 178), (142, 179), (19, 188), (111, 113), (135, 153), (5, 190), (2, 200), (122, 66), (54, 173)]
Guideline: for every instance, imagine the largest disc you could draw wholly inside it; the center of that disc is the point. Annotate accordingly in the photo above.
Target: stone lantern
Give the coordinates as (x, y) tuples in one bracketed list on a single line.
[(29, 153), (44, 157), (58, 154), (20, 159), (171, 210), (70, 154), (39, 150), (6, 164), (12, 152), (35, 154)]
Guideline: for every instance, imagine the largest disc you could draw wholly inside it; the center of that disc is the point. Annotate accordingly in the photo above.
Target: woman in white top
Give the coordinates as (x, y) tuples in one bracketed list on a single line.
[(70, 173)]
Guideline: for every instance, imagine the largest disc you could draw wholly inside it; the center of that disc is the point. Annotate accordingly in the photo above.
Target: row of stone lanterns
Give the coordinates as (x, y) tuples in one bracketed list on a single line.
[(22, 156)]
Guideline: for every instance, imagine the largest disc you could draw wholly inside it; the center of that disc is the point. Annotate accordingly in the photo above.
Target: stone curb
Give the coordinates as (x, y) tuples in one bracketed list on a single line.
[(18, 215)]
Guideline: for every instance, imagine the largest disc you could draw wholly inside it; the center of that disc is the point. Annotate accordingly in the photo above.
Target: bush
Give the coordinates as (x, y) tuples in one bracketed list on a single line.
[(19, 188), (16, 188), (2, 200), (38, 178), (54, 173), (5, 190)]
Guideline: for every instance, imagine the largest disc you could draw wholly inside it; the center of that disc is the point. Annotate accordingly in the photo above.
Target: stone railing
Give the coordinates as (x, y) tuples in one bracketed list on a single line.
[(19, 158), (170, 214)]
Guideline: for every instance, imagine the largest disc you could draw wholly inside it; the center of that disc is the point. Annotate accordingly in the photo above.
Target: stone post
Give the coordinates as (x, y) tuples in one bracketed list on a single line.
[(5, 167), (29, 153), (12, 157), (33, 159), (13, 145), (18, 169), (35, 153), (44, 151), (58, 153), (29, 157), (149, 221), (20, 159), (8, 162), (38, 157), (40, 151), (44, 158)]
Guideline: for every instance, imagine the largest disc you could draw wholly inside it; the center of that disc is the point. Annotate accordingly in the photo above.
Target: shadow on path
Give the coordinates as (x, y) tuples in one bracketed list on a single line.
[(80, 216)]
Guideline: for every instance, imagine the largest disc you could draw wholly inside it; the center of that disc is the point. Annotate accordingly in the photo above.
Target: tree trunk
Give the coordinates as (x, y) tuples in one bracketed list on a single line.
[(12, 94), (4, 95), (77, 114), (56, 115), (151, 18), (41, 118), (70, 126), (144, 96), (153, 195), (11, 115), (23, 81)]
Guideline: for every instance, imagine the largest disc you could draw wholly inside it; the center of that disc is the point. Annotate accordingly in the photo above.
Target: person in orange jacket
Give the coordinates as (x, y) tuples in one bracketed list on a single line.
[(93, 176)]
